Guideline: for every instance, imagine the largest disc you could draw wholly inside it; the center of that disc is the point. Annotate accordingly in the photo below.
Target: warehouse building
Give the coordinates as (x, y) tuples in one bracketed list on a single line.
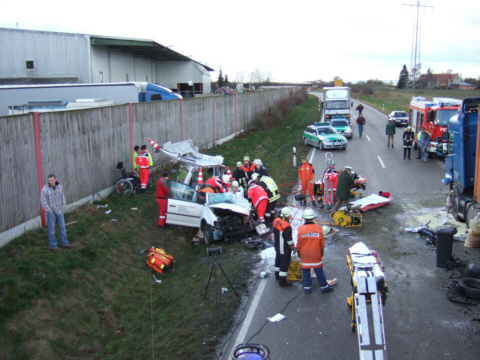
[(42, 57)]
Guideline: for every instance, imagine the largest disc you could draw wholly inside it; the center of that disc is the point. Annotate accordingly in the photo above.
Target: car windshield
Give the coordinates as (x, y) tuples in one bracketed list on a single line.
[(339, 123), (336, 104), (442, 116), (228, 198), (401, 114), (326, 130)]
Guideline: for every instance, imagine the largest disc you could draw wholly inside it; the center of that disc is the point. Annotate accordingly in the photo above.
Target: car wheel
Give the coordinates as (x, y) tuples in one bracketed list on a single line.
[(207, 235), (320, 145), (305, 141), (470, 287)]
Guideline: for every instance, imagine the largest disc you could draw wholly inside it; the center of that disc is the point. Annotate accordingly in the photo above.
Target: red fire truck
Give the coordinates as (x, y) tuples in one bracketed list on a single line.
[(433, 115)]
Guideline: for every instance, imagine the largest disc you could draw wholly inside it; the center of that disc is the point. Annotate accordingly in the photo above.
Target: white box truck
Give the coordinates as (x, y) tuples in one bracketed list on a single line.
[(336, 103)]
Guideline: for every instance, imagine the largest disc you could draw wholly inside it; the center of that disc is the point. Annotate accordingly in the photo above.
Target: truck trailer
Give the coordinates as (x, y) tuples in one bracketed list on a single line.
[(14, 97), (336, 103), (462, 171)]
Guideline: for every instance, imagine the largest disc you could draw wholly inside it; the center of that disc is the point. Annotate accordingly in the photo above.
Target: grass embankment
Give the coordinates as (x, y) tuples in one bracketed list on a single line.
[(98, 300), (387, 99)]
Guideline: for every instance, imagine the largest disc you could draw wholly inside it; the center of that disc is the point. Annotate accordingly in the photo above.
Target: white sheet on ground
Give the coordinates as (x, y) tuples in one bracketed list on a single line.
[(370, 200)]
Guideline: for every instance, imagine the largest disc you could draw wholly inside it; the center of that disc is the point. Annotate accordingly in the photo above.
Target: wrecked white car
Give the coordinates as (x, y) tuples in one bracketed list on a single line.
[(223, 216)]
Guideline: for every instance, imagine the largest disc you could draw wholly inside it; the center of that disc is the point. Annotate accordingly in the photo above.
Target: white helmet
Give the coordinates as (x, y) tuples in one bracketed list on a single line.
[(235, 183), (226, 179), (257, 162), (255, 176), (286, 212), (239, 164), (308, 214)]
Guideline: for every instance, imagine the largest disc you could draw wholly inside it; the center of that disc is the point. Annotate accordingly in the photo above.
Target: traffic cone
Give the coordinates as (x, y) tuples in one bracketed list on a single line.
[(229, 173), (155, 145), (200, 177)]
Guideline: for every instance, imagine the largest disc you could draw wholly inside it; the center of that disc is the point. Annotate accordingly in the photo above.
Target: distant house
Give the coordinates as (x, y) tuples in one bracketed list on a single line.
[(462, 86), (439, 81)]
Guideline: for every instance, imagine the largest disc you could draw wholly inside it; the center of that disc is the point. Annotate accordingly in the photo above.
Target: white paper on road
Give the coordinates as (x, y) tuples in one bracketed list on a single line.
[(276, 318)]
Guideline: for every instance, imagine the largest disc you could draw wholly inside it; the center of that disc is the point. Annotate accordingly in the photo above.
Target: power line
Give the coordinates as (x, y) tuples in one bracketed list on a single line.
[(415, 64)]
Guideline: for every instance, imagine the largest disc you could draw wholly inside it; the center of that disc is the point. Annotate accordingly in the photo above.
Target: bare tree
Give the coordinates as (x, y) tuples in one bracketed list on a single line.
[(240, 76)]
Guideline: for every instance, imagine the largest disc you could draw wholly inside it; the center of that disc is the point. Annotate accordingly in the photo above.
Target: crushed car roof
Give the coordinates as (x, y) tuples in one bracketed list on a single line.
[(186, 152)]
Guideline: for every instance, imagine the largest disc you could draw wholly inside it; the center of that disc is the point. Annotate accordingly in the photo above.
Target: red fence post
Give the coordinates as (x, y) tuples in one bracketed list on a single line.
[(130, 114), (38, 153)]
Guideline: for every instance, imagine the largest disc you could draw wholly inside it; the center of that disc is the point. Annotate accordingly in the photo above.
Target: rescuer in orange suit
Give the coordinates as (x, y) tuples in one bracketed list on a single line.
[(162, 196), (259, 199), (219, 183), (248, 167), (143, 164), (306, 174), (310, 248)]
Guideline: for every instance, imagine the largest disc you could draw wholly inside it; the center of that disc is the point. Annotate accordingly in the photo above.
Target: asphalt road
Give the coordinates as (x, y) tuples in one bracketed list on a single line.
[(420, 321)]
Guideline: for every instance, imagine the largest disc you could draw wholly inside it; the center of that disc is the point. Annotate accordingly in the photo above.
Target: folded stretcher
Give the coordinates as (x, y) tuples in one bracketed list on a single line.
[(369, 293)]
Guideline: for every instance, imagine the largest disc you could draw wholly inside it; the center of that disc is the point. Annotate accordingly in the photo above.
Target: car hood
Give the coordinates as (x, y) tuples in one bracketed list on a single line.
[(341, 128), (333, 136), (229, 201)]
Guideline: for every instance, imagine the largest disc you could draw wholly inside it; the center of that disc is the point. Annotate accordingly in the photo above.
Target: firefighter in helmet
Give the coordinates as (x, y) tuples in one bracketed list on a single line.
[(310, 247), (282, 232)]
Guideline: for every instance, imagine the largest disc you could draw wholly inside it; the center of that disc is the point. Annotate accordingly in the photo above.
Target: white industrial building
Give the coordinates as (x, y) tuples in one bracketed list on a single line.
[(42, 57)]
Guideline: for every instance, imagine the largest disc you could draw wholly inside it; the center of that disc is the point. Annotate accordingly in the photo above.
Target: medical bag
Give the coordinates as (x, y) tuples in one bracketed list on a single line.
[(159, 260)]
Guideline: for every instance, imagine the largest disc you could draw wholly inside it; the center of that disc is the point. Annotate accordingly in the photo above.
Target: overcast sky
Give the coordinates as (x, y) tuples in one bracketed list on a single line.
[(292, 40)]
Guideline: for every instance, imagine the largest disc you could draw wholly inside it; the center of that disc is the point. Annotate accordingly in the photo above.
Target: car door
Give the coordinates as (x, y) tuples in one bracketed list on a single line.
[(183, 206)]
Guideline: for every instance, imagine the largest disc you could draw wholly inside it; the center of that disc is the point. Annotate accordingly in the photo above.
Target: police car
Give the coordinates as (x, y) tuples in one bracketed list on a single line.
[(324, 136), (342, 126)]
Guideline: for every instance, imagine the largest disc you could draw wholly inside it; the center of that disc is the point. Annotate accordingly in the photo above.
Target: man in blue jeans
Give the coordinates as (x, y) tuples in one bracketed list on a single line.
[(53, 202)]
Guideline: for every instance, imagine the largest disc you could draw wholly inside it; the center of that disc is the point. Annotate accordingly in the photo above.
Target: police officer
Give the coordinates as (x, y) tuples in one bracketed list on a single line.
[(282, 232)]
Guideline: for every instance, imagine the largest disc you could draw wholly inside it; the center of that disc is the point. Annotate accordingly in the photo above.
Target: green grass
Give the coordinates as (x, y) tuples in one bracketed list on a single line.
[(97, 300), (387, 99)]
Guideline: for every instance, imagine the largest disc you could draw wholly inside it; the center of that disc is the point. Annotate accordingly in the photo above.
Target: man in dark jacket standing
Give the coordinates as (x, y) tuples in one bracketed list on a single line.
[(344, 184), (390, 132), (407, 142), (360, 122), (360, 109)]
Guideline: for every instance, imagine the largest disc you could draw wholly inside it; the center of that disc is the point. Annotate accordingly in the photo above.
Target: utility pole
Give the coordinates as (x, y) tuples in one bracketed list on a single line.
[(415, 64)]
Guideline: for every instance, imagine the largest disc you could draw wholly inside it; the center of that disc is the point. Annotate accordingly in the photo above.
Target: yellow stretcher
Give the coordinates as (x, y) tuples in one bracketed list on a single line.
[(369, 293)]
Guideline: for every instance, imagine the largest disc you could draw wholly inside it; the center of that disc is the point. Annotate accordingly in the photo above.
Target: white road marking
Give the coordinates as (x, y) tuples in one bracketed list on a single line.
[(368, 138), (381, 162), (251, 311)]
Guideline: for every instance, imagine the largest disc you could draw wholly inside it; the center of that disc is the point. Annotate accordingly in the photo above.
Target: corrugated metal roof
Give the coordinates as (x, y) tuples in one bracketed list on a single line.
[(146, 48)]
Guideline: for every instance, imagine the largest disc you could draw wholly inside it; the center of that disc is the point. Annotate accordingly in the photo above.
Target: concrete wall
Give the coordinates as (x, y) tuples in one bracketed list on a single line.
[(82, 147)]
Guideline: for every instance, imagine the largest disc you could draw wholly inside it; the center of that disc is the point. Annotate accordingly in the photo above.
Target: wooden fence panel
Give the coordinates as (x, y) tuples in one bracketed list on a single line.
[(19, 195), (82, 147)]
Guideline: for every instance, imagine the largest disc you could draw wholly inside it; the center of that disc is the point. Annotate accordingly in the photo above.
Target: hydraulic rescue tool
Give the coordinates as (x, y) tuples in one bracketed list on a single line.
[(369, 293), (348, 216)]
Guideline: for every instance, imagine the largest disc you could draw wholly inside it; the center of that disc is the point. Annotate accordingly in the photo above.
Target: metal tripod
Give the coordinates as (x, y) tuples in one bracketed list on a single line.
[(214, 271)]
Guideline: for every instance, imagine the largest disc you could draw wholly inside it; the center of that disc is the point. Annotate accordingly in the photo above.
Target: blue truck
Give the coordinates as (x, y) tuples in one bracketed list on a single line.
[(25, 98), (461, 161)]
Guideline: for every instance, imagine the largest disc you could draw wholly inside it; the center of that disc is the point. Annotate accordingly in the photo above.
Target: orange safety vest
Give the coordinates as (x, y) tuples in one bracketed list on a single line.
[(310, 245), (306, 172)]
